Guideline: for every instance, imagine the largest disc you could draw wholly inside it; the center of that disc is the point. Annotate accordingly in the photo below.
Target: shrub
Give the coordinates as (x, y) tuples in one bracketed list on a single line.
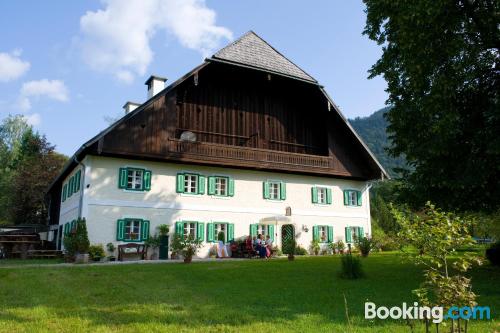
[(383, 241), (364, 245), (493, 254), (299, 250), (277, 252), (351, 267), (340, 246), (96, 252), (324, 252), (187, 246), (221, 237), (77, 241), (111, 247), (315, 247), (163, 229)]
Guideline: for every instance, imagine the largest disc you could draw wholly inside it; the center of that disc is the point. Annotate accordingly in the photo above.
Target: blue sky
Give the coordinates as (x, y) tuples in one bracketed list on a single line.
[(67, 65)]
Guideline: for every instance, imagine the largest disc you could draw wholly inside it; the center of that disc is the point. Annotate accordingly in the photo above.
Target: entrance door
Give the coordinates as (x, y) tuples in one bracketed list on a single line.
[(287, 236), (163, 247)]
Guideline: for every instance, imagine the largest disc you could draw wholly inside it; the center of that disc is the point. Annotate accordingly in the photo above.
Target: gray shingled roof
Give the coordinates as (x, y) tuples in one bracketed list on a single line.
[(251, 50)]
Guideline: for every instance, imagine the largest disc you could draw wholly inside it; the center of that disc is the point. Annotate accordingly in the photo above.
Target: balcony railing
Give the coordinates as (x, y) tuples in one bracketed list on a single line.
[(250, 155)]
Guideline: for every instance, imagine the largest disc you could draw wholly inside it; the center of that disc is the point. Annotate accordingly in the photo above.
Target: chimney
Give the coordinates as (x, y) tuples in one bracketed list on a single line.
[(130, 106), (155, 85)]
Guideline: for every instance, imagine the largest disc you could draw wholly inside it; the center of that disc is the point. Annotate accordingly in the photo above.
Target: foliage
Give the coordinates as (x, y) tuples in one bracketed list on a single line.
[(277, 252), (365, 245), (493, 254), (373, 131), (212, 252), (153, 242), (96, 251), (163, 229), (340, 246), (77, 241), (28, 164), (221, 237), (437, 235), (186, 246), (440, 60), (486, 225), (382, 194), (383, 241), (111, 247), (315, 247), (351, 267), (300, 251)]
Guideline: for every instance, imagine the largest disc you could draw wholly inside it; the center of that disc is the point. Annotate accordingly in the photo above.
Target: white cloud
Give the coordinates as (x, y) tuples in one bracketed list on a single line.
[(52, 89), (33, 119), (116, 39), (11, 66)]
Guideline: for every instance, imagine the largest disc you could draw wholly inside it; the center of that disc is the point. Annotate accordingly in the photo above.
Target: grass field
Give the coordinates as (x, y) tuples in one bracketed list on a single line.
[(234, 296)]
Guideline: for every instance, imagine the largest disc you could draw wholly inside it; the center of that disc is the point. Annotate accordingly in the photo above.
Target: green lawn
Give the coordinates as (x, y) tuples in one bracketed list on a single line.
[(244, 296)]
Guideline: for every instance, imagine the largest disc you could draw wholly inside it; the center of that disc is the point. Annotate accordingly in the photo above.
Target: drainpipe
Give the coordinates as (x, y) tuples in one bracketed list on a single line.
[(80, 206)]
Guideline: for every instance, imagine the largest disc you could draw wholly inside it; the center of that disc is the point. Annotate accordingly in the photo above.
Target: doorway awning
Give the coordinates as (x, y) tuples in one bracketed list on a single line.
[(277, 219)]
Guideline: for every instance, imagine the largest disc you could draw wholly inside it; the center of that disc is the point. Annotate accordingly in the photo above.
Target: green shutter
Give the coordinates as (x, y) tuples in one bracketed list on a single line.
[(120, 230), (230, 232), (282, 191), (314, 194), (146, 180), (201, 184), (346, 197), (201, 231), (70, 187), (266, 190), (122, 178), (65, 189), (78, 177), (179, 228), (361, 232), (270, 231), (66, 225), (330, 233), (315, 233), (180, 183), (145, 230), (253, 230), (210, 232), (329, 196), (359, 197), (211, 185), (348, 235), (230, 187)]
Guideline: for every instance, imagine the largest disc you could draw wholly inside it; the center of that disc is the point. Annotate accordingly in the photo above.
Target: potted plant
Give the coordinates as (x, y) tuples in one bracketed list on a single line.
[(96, 252), (364, 245), (152, 242), (163, 229), (77, 243), (315, 248), (187, 246), (212, 252), (111, 249), (340, 247), (291, 254)]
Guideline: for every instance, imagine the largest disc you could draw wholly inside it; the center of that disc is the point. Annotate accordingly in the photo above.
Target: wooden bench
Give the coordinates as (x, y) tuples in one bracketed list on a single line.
[(131, 249)]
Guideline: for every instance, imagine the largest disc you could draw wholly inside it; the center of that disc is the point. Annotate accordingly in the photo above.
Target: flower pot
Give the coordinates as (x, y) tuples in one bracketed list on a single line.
[(188, 260)]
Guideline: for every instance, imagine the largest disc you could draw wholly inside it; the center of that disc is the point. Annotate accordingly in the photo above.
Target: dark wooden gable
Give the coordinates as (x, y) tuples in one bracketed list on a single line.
[(243, 118)]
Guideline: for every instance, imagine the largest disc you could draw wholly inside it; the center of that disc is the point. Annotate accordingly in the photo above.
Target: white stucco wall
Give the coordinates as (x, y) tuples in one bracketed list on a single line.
[(104, 203)]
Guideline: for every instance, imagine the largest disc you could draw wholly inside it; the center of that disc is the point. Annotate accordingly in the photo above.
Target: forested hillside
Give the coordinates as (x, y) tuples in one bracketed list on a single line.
[(373, 131)]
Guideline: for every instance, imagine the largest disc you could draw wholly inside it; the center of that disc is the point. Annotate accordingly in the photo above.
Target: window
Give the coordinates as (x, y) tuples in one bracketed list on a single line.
[(220, 186), (64, 192), (274, 190), (190, 183), (323, 233), (132, 230), (262, 230), (353, 233), (134, 179), (190, 228), (220, 227), (352, 198)]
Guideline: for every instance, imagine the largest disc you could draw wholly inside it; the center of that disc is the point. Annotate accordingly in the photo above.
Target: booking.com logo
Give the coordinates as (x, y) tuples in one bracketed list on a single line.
[(436, 314)]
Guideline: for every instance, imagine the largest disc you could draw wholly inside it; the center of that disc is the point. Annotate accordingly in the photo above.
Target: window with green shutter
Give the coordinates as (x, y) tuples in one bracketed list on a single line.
[(70, 187), (78, 177), (348, 234), (321, 195), (274, 190), (190, 228), (253, 229), (323, 233), (132, 230), (64, 192), (352, 198), (190, 183), (134, 179), (220, 186)]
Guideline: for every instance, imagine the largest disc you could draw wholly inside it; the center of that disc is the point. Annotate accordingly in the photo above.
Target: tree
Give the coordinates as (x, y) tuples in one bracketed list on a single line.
[(441, 63)]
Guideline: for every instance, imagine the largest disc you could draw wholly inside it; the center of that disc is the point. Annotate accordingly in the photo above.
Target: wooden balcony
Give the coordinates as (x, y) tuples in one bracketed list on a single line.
[(248, 157)]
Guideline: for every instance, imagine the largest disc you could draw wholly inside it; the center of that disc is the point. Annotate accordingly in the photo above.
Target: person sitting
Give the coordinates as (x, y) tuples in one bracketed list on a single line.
[(261, 246), (269, 246)]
